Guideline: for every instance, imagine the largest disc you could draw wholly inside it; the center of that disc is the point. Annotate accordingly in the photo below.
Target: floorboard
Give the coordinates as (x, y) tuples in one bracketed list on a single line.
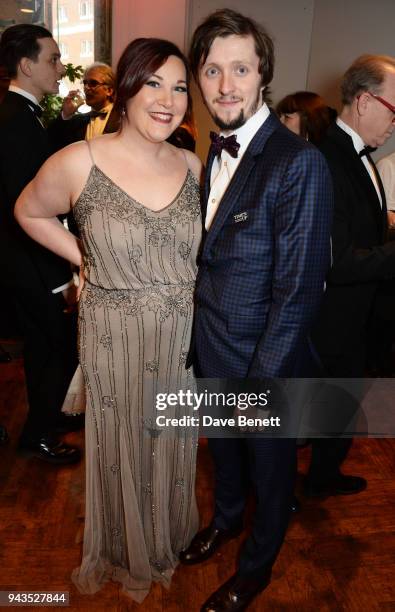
[(339, 554)]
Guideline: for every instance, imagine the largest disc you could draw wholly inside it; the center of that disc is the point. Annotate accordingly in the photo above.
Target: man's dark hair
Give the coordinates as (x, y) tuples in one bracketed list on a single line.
[(20, 41), (226, 22), (366, 73)]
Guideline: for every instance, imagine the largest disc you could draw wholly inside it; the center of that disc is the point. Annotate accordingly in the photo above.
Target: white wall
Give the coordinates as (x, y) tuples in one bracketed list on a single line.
[(289, 22), (143, 18), (343, 30), (315, 40)]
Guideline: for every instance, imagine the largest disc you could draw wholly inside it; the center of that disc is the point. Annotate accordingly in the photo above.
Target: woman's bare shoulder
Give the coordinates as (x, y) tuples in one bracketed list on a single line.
[(67, 169), (194, 163), (71, 157)]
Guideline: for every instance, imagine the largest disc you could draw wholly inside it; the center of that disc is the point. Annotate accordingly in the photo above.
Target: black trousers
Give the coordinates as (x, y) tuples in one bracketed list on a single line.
[(50, 355), (270, 466), (328, 454)]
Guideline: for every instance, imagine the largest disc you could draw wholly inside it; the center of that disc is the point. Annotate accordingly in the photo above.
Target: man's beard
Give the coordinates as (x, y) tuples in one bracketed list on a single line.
[(230, 126), (240, 120)]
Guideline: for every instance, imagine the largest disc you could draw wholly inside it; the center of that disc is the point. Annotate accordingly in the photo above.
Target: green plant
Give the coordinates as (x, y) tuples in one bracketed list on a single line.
[(52, 103)]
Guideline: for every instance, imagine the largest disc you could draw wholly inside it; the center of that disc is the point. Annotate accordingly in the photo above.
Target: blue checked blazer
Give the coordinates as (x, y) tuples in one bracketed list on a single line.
[(264, 260)]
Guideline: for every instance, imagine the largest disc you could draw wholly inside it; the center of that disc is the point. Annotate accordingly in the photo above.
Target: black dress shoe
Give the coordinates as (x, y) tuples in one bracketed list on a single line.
[(295, 505), (235, 594), (4, 356), (50, 449), (66, 423), (340, 485), (206, 542), (3, 435)]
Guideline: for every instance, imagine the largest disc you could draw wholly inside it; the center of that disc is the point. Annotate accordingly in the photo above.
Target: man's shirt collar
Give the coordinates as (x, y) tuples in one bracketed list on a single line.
[(24, 93), (356, 139), (246, 132)]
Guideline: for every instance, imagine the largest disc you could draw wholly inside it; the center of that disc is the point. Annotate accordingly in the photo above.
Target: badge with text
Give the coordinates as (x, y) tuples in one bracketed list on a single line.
[(243, 216)]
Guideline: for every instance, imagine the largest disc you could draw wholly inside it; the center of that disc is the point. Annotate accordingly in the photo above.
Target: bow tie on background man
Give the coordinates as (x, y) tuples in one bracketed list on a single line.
[(93, 114), (228, 143), (367, 151)]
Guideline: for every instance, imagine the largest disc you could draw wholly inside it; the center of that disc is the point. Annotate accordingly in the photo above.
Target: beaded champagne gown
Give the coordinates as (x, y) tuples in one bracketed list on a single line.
[(135, 325)]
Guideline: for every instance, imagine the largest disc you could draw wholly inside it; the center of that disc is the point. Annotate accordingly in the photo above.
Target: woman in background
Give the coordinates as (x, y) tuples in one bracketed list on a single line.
[(305, 113), (135, 198)]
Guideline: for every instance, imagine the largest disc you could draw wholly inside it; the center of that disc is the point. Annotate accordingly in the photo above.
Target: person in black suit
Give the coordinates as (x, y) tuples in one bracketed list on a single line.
[(362, 256), (267, 210), (3, 435), (38, 281), (70, 126)]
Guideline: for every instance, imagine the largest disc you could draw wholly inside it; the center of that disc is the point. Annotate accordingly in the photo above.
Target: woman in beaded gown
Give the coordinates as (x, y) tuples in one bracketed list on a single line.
[(136, 201)]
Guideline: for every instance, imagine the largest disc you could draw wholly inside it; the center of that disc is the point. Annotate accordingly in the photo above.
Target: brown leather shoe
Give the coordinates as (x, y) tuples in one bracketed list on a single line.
[(206, 542), (236, 594)]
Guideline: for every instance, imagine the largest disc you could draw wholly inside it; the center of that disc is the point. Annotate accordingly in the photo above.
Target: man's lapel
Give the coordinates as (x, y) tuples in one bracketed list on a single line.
[(358, 167), (113, 122), (236, 186), (384, 219), (16, 99)]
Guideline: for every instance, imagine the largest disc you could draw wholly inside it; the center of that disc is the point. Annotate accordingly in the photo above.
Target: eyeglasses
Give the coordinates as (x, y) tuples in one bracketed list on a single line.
[(384, 102), (92, 83)]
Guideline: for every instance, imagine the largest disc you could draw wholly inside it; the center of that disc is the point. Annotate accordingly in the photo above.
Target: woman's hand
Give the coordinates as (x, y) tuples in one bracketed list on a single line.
[(71, 298), (81, 283)]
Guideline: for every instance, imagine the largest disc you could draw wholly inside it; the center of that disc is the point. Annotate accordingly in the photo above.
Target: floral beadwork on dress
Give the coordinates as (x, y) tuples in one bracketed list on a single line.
[(100, 195), (135, 324), (163, 300)]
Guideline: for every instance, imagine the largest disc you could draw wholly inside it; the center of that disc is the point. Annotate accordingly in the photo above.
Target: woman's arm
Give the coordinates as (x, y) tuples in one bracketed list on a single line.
[(50, 194)]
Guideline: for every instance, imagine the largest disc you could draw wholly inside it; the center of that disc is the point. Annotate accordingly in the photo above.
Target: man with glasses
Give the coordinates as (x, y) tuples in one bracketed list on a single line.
[(362, 255), (72, 126)]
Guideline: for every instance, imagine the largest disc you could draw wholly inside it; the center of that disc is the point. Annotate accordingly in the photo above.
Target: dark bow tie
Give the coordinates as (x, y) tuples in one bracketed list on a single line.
[(228, 143), (93, 114), (37, 110), (367, 151)]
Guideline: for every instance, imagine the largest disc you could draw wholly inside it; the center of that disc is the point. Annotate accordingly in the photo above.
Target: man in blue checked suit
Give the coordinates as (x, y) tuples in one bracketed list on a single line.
[(267, 211)]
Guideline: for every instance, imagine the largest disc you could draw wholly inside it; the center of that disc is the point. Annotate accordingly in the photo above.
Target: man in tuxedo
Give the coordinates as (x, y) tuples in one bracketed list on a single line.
[(362, 256), (38, 281), (267, 213), (71, 126)]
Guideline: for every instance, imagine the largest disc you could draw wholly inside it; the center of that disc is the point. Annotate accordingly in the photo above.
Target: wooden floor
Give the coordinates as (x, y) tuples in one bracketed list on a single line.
[(339, 554)]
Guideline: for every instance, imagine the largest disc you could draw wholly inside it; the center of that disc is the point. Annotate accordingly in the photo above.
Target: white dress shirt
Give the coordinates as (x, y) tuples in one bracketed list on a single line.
[(224, 168), (358, 146), (386, 168)]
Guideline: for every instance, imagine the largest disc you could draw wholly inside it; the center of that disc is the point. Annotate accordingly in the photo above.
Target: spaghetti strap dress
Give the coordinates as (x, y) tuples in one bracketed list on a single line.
[(135, 323)]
